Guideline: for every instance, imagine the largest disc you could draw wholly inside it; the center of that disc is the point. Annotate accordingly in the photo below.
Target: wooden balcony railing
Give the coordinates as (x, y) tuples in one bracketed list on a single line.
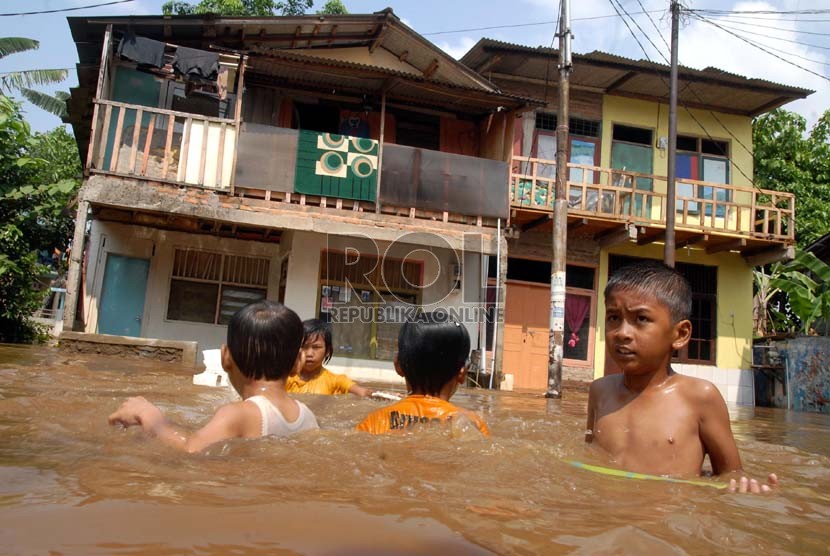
[(164, 145), (624, 196)]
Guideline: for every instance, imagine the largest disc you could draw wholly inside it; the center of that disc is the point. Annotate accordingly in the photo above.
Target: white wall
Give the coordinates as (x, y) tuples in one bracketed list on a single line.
[(302, 287), (158, 246)]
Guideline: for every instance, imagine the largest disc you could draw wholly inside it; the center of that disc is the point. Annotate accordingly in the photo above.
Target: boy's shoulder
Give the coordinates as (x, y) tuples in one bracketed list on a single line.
[(697, 388)]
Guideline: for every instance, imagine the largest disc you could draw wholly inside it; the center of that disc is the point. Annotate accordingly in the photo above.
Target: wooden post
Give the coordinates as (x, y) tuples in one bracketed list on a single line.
[(76, 260), (556, 334), (101, 75), (240, 91), (380, 147), (668, 246)]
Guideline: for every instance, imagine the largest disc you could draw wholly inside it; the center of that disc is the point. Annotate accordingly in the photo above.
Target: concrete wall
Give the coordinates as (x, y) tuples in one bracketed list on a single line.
[(733, 348), (158, 246), (302, 288)]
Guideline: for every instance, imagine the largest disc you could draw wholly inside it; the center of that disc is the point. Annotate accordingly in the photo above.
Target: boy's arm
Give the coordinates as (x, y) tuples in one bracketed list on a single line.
[(226, 423), (589, 426), (716, 432)]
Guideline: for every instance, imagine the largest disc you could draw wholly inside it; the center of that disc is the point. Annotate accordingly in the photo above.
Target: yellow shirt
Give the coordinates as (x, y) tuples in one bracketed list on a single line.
[(326, 382), (416, 409)]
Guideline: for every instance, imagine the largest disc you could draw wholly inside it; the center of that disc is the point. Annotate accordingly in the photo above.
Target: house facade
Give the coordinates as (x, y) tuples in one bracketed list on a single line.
[(617, 205), (341, 164)]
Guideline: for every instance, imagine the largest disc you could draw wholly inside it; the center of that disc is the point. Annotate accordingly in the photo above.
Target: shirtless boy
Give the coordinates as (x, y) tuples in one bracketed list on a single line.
[(649, 418)]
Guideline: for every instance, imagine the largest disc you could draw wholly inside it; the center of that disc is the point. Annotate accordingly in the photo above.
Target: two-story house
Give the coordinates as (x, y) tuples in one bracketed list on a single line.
[(342, 164), (617, 209)]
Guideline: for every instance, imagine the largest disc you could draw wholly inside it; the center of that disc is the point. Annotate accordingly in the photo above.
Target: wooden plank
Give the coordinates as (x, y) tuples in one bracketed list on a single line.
[(692, 240), (139, 116), (164, 111), (220, 160), (204, 155), (729, 245), (185, 148), (147, 140), (116, 143), (770, 255), (615, 236), (105, 132), (168, 146), (92, 137)]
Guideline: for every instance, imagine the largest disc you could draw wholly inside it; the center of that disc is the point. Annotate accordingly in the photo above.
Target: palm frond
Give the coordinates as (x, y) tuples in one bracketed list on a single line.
[(12, 45), (29, 78), (51, 104)]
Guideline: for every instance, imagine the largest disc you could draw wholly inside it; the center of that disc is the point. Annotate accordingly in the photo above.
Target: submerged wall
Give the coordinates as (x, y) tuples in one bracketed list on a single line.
[(808, 371)]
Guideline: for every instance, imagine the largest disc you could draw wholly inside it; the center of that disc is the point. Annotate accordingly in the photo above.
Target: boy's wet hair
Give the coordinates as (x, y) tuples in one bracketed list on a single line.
[(655, 278), (264, 339), (431, 350), (317, 327)]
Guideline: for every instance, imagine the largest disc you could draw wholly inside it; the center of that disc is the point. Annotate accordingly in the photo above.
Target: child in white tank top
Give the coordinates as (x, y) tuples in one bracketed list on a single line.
[(262, 350)]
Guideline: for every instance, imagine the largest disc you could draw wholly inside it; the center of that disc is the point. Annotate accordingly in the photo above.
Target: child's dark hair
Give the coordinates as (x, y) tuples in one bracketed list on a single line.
[(264, 339), (654, 278), (431, 351), (316, 327)]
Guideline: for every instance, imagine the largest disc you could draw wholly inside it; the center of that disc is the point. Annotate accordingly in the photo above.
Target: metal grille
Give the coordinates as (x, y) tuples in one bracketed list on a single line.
[(577, 126)]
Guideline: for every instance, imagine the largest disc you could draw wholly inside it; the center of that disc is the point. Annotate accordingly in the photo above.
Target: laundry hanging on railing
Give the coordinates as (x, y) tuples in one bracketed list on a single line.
[(194, 63), (143, 51)]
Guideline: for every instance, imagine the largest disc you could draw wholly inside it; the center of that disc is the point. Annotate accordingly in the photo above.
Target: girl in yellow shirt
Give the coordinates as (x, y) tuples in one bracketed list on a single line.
[(313, 377)]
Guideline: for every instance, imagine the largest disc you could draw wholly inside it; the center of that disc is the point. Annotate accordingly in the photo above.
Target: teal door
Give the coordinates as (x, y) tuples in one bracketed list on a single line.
[(122, 295)]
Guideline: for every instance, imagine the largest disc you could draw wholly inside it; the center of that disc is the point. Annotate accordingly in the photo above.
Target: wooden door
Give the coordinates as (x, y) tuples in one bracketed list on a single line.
[(526, 325)]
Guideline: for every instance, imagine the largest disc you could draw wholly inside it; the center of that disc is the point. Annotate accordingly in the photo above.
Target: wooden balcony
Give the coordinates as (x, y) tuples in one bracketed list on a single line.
[(605, 198)]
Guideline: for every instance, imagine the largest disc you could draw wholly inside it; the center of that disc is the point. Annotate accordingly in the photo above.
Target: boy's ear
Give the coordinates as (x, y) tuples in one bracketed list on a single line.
[(398, 367), (462, 375), (682, 334), (227, 359), (298, 364)]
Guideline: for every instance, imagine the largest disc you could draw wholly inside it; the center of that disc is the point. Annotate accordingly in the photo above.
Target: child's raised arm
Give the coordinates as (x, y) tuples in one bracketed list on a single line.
[(230, 421)]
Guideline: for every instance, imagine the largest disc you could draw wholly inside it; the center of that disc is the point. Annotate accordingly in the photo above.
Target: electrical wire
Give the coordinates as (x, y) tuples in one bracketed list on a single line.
[(772, 37), (68, 9), (759, 47), (747, 24), (591, 18), (767, 12)]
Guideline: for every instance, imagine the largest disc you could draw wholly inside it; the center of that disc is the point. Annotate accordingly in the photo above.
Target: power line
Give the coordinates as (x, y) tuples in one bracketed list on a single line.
[(530, 24), (68, 9), (654, 24), (777, 38), (759, 47), (746, 24), (766, 12), (685, 107)]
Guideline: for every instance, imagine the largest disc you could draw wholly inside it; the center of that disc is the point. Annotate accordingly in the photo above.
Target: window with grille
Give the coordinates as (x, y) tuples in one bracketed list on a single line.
[(377, 286), (704, 283), (210, 287), (576, 126)]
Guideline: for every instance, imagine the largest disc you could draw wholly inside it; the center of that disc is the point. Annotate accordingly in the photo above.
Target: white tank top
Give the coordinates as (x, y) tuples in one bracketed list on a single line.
[(273, 422)]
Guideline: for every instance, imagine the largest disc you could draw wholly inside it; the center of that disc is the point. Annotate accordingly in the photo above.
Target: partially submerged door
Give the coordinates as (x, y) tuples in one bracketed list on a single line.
[(526, 330), (122, 295)]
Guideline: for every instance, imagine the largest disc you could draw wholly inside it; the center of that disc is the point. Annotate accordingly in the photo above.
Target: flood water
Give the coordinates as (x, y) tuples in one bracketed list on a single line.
[(71, 484)]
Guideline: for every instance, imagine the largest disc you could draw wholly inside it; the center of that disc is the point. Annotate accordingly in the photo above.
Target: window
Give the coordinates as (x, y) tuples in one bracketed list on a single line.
[(583, 137), (418, 130), (210, 287), (703, 160), (704, 283), (372, 290)]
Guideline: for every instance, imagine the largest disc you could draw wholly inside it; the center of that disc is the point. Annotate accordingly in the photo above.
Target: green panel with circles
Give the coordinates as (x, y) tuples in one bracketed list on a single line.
[(337, 166)]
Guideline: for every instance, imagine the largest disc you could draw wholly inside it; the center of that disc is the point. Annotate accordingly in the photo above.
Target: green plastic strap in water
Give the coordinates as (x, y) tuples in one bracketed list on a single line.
[(632, 475)]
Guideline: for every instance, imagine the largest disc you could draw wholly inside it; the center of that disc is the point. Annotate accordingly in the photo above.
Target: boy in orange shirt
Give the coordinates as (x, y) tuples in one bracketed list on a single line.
[(649, 418), (313, 377), (432, 357)]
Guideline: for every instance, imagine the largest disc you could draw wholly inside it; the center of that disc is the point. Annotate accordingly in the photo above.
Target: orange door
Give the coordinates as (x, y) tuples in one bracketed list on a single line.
[(526, 325)]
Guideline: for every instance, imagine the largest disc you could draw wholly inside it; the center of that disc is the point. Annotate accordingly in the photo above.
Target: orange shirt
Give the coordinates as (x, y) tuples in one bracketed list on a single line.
[(416, 409), (326, 382)]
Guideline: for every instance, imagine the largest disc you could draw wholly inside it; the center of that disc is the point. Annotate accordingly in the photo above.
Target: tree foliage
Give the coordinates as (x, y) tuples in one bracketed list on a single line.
[(39, 178), (333, 7), (788, 158), (256, 8), (23, 81)]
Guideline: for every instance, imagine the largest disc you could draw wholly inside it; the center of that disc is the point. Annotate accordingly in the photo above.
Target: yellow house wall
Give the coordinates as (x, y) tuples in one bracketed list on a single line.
[(734, 303), (734, 129)]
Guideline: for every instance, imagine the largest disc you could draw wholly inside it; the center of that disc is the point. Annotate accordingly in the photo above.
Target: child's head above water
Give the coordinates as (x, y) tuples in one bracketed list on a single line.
[(317, 340), (432, 351), (264, 339), (655, 279)]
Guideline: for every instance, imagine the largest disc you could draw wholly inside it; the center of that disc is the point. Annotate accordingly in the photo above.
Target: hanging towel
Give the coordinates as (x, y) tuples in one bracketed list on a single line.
[(142, 50), (196, 63)]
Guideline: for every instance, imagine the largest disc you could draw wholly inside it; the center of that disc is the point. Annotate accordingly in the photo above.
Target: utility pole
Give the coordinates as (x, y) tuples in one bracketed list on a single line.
[(671, 173), (559, 243)]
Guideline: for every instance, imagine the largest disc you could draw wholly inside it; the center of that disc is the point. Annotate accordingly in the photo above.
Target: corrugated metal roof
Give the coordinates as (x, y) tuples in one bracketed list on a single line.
[(612, 74)]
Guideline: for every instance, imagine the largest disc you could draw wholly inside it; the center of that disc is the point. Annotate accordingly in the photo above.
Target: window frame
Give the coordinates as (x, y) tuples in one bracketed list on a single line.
[(220, 283)]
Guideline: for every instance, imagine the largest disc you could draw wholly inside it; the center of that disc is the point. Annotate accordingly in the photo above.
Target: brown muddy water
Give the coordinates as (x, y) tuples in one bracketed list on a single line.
[(70, 484)]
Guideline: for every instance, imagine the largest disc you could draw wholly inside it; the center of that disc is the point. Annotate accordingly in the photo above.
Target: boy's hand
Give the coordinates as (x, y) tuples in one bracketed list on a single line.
[(746, 485), (137, 411)]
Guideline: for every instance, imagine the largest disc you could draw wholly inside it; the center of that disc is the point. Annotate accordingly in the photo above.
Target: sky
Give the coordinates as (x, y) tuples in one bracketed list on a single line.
[(450, 24)]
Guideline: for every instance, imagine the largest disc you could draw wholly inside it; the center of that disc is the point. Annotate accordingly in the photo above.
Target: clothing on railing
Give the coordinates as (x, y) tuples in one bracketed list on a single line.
[(196, 63), (142, 50)]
